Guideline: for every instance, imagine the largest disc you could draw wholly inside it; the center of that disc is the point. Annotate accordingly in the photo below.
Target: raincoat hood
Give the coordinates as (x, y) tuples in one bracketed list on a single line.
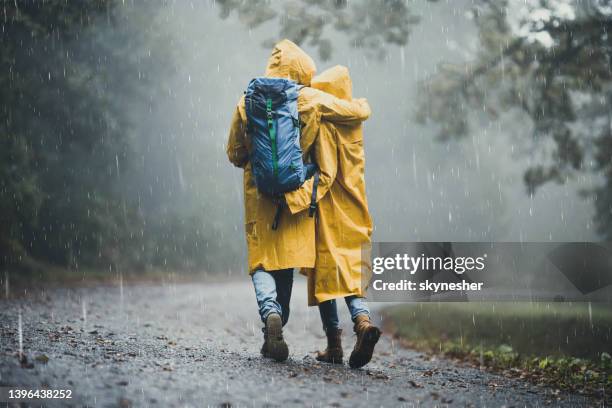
[(292, 245), (290, 61), (335, 81)]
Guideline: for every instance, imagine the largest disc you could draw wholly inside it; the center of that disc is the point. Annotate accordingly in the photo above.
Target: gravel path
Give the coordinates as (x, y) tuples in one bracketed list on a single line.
[(198, 345)]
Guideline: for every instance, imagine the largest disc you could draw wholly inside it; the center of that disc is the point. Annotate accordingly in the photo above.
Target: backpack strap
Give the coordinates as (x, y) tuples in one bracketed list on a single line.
[(279, 211), (313, 199), (272, 133)]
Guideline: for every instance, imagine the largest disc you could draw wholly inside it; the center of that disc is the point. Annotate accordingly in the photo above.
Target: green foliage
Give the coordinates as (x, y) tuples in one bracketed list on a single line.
[(537, 328), (51, 122), (69, 72), (368, 24), (558, 345), (562, 84), (590, 377)]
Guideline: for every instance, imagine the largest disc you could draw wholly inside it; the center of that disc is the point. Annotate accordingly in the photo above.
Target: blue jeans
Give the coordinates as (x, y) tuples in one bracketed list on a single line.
[(329, 311), (273, 292)]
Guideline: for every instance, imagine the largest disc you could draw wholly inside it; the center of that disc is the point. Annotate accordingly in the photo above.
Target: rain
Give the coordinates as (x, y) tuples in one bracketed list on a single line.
[(123, 258)]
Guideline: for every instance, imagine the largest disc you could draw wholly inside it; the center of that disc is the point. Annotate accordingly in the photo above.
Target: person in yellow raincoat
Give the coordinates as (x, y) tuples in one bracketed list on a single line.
[(344, 227), (273, 254)]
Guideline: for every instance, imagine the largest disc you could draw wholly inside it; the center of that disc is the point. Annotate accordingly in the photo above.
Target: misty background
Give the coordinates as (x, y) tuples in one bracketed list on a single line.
[(116, 117)]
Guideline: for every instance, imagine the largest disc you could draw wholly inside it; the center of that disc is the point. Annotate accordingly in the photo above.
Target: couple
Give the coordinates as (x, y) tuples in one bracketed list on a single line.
[(327, 251)]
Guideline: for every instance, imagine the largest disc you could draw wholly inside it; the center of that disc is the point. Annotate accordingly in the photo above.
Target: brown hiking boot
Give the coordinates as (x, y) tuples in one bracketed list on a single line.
[(333, 352), (274, 345), (367, 337)]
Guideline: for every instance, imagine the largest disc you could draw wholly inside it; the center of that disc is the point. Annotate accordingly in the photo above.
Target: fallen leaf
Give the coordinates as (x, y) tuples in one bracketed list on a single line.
[(42, 358), (378, 375), (414, 384), (125, 403), (23, 361)]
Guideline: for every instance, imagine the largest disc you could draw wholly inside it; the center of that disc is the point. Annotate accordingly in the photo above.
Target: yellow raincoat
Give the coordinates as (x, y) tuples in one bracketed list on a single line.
[(292, 244), (344, 223)]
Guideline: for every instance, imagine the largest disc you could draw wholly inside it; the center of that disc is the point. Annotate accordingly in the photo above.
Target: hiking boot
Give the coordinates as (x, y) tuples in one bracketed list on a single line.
[(333, 352), (274, 344), (367, 337)]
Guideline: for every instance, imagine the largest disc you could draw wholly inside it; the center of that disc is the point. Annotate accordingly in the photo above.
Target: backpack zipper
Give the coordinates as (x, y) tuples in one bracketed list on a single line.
[(272, 131)]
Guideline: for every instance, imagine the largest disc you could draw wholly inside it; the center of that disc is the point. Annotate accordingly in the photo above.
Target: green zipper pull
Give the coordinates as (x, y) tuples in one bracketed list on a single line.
[(272, 131)]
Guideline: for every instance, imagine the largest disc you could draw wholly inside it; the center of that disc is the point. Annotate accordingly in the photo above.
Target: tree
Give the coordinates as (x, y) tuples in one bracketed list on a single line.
[(550, 63), (66, 135), (45, 106), (368, 24)]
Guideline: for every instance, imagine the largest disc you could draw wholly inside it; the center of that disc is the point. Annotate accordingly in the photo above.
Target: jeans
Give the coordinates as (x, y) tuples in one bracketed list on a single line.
[(273, 292), (329, 311)]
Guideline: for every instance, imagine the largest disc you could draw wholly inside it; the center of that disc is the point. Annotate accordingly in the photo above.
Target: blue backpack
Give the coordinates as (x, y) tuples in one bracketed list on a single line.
[(273, 125)]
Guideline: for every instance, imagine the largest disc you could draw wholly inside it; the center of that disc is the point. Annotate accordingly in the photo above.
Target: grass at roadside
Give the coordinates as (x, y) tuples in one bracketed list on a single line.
[(563, 345)]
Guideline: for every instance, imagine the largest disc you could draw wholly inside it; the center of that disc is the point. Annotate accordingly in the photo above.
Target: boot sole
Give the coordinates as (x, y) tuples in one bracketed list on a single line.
[(277, 348), (370, 339)]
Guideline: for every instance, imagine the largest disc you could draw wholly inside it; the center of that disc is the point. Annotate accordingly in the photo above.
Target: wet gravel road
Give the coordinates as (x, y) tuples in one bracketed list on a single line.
[(198, 345)]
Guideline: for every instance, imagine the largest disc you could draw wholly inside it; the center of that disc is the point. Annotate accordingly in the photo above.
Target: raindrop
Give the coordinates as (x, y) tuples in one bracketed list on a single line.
[(84, 312), (6, 284), (121, 290), (20, 331)]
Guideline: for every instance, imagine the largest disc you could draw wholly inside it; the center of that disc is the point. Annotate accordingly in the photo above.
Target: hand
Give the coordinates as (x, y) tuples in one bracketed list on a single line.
[(364, 104)]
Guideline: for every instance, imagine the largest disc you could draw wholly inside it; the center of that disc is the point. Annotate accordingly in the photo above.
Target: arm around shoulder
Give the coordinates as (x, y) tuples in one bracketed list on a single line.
[(340, 111)]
